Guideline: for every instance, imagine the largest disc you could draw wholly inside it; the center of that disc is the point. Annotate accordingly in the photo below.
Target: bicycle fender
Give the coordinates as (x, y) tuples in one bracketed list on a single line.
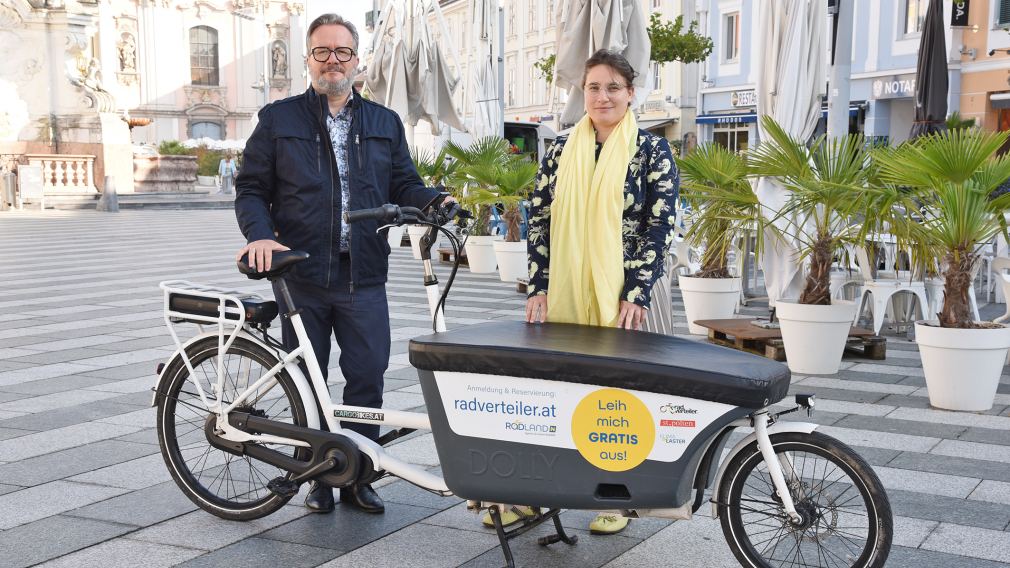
[(301, 383), (778, 427)]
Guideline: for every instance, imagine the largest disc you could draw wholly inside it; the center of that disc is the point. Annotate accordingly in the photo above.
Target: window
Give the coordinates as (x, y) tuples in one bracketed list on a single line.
[(512, 20), (210, 130), (510, 99), (657, 76), (549, 13), (731, 37), (657, 4), (731, 135), (203, 55), (1003, 13), (531, 24), (915, 15)]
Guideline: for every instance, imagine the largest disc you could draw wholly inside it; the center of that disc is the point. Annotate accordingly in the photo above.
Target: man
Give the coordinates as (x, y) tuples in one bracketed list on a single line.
[(311, 158)]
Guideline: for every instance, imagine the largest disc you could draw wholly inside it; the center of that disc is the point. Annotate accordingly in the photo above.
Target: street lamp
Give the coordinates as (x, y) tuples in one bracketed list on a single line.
[(262, 84)]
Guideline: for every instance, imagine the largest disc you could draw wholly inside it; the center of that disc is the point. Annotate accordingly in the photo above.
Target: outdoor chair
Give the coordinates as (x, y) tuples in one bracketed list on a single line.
[(882, 290), (1000, 267)]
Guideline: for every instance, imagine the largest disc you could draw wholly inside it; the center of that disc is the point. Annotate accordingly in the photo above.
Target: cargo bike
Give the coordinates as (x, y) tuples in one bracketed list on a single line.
[(555, 416)]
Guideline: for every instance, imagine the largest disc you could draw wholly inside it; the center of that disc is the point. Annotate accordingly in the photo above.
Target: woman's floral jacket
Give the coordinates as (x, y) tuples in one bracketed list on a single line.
[(650, 199)]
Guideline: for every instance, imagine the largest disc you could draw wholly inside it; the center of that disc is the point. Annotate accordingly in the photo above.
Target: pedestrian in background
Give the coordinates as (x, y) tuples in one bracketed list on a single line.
[(227, 170)]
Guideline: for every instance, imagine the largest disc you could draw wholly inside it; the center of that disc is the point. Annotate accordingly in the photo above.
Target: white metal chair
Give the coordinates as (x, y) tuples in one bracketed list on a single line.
[(1000, 267), (882, 290)]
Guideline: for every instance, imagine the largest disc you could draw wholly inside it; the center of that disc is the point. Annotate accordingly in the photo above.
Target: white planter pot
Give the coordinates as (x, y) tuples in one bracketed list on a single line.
[(395, 236), (708, 298), (962, 366), (416, 232), (206, 181), (511, 260), (480, 255), (814, 336)]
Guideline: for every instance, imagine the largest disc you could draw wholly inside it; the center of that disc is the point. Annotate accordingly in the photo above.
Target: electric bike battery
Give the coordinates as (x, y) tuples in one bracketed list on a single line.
[(580, 417)]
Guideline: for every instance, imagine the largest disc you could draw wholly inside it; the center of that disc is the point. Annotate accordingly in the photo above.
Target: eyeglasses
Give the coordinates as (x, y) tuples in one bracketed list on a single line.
[(322, 54), (611, 89)]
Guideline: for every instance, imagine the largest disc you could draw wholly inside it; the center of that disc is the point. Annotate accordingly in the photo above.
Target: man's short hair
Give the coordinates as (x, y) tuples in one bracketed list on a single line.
[(330, 19)]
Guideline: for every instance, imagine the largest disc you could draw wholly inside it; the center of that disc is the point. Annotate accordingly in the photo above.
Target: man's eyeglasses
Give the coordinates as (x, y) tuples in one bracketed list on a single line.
[(322, 54), (612, 89)]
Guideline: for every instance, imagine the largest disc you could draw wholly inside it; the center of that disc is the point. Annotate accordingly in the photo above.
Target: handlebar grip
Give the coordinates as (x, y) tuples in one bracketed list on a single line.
[(384, 214)]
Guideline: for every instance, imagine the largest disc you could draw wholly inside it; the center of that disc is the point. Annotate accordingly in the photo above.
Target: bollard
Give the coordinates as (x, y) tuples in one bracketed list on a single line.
[(109, 202)]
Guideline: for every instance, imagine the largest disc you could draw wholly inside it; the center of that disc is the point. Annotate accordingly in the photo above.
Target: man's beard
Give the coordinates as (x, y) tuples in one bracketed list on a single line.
[(337, 88)]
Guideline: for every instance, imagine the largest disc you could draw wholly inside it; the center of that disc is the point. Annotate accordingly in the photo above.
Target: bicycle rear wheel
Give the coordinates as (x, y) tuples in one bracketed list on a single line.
[(224, 484), (846, 515)]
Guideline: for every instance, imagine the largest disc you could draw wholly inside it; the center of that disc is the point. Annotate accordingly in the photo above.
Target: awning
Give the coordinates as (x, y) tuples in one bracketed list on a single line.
[(655, 123), (1000, 100), (730, 117)]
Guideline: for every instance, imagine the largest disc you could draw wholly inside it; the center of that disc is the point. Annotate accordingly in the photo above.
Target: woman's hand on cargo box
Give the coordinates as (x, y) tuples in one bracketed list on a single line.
[(536, 309), (631, 315)]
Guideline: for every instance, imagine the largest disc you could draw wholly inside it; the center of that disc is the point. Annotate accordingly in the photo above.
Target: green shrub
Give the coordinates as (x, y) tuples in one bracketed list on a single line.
[(207, 161), (173, 148)]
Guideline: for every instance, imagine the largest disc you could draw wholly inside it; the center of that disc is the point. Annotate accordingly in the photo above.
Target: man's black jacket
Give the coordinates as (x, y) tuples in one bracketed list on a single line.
[(288, 189)]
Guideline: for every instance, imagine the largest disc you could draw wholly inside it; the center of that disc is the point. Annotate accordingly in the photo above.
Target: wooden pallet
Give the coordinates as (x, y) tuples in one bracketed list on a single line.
[(739, 333), (445, 255)]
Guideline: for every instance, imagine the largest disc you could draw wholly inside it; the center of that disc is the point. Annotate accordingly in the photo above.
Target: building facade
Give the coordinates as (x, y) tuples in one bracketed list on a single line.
[(985, 66), (76, 71), (885, 46)]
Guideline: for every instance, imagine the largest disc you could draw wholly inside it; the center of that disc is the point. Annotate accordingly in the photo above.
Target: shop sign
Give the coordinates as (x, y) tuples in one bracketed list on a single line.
[(894, 87), (959, 14), (653, 106), (744, 98)]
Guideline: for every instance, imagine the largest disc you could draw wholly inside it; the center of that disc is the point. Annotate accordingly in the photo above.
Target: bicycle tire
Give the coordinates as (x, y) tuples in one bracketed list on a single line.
[(174, 403), (823, 509)]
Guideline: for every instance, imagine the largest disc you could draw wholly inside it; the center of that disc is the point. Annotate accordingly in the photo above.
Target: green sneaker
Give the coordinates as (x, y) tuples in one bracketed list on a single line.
[(509, 516), (608, 524)]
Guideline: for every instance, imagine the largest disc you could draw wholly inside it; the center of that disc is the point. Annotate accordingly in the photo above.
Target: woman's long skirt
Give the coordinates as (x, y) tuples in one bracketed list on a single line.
[(659, 318)]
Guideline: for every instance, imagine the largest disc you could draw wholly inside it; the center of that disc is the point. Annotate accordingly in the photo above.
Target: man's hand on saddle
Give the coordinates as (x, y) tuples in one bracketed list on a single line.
[(536, 309), (260, 253), (631, 315)]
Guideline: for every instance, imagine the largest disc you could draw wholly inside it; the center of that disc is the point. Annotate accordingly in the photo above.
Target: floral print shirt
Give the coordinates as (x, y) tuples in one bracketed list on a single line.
[(340, 128), (651, 190)]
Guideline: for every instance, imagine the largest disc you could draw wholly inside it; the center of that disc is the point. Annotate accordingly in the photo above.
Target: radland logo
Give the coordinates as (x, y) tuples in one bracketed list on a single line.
[(672, 439), (670, 408), (531, 429)]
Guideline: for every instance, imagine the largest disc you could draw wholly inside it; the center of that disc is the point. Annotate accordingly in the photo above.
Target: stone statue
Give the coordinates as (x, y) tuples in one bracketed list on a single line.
[(280, 60), (89, 78), (128, 54)]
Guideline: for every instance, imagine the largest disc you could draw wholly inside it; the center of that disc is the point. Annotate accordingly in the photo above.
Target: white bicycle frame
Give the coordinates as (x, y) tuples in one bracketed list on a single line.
[(230, 324)]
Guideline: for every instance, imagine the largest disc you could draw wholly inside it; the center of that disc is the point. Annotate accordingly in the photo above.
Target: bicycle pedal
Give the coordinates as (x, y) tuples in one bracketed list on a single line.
[(282, 487)]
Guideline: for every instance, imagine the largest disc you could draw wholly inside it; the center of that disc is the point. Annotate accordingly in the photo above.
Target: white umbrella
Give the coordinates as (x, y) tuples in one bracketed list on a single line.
[(790, 78), (486, 100), (585, 26), (413, 80)]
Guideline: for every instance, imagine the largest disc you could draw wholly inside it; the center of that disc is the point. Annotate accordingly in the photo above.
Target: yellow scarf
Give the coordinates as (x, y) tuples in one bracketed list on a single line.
[(587, 254)]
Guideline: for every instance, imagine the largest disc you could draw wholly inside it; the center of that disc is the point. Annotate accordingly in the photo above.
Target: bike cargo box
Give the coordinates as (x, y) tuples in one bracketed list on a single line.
[(560, 415)]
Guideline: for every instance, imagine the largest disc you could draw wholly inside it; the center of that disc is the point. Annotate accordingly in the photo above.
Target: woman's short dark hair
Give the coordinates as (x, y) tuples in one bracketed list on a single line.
[(611, 59)]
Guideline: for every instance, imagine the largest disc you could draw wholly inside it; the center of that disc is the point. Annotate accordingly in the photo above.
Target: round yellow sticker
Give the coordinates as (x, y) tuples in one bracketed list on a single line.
[(613, 429)]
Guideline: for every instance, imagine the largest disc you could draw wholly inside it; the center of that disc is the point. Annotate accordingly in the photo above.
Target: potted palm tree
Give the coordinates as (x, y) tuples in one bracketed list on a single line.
[(947, 180), (436, 170), (826, 180), (714, 182), (492, 177)]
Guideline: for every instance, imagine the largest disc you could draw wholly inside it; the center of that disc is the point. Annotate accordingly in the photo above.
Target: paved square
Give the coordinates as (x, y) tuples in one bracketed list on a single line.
[(82, 482)]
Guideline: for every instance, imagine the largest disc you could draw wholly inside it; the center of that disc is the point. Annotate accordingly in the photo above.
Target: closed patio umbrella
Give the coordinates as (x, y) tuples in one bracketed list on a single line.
[(931, 75), (790, 80), (585, 26)]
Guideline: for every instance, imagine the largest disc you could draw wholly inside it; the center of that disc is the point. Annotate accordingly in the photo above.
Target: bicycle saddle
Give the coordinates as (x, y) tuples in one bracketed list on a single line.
[(282, 261), (608, 357)]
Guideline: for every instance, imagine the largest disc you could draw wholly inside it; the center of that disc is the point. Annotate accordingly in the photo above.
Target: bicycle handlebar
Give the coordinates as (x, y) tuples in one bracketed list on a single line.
[(384, 214)]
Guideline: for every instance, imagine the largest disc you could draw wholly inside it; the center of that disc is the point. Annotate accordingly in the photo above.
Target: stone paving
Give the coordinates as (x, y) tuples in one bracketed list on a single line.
[(82, 482)]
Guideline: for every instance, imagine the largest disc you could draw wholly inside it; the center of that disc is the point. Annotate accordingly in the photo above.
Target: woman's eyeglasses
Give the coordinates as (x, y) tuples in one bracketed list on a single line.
[(322, 54), (612, 89)]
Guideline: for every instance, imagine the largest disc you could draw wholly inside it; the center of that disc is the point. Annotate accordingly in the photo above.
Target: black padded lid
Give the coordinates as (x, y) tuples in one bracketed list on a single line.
[(607, 357)]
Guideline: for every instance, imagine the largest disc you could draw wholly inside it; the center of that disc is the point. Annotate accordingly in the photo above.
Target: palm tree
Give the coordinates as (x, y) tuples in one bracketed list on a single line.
[(435, 169), (946, 178), (715, 184), (492, 176), (826, 180)]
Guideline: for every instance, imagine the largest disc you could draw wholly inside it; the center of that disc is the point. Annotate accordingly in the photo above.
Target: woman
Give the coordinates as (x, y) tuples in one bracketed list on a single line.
[(228, 171), (601, 220)]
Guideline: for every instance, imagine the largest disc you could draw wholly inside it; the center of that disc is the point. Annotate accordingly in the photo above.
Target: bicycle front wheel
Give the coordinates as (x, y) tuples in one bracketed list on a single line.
[(846, 515), (224, 484)]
